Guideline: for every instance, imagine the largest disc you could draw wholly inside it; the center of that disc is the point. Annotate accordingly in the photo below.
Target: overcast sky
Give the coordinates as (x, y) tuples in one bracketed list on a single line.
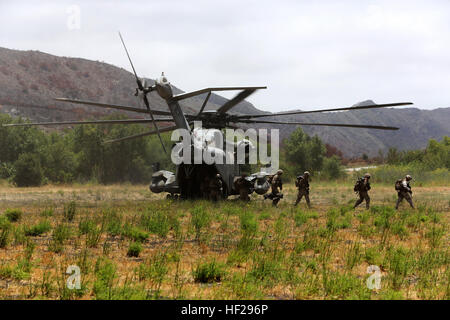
[(309, 54)]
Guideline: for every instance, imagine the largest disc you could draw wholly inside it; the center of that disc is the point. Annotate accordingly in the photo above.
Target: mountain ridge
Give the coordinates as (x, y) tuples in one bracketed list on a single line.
[(29, 80)]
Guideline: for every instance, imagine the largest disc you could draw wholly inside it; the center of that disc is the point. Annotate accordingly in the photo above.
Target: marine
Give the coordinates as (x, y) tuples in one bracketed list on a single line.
[(243, 187), (215, 188), (276, 183), (362, 187), (302, 183), (404, 191)]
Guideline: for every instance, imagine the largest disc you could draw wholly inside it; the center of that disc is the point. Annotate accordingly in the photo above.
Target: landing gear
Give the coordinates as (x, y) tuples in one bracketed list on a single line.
[(172, 196)]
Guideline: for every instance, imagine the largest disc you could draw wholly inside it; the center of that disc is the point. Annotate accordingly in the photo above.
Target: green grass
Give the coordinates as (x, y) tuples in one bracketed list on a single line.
[(38, 229), (209, 272), (156, 249), (13, 215), (134, 250)]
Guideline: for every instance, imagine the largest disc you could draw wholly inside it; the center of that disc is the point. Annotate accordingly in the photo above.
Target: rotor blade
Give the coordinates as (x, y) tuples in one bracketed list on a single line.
[(138, 81), (322, 124), (123, 121), (238, 98), (165, 129), (141, 87), (197, 92), (113, 106), (204, 103), (154, 123), (325, 110)]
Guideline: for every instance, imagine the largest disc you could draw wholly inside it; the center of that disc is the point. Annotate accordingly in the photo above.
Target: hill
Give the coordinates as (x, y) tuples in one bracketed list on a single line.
[(29, 80)]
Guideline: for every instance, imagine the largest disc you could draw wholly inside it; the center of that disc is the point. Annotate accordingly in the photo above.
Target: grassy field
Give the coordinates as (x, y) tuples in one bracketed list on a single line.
[(132, 244)]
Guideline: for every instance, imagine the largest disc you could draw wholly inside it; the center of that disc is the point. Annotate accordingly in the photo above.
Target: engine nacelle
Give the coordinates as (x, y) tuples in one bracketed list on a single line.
[(261, 185), (163, 181)]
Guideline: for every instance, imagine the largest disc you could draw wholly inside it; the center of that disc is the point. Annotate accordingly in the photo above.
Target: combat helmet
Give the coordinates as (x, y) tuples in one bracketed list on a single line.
[(279, 172), (408, 177), (306, 173), (367, 175)]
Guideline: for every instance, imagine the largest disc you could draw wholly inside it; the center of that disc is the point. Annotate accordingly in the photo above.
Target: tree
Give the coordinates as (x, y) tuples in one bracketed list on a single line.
[(393, 156), (304, 152), (332, 168), (28, 170), (58, 160), (317, 153)]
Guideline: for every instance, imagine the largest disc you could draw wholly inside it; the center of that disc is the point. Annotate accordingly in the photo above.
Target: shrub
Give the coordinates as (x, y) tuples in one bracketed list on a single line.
[(199, 220), (209, 272), (13, 215), (85, 226), (70, 210), (157, 223), (105, 272), (5, 228), (265, 268), (332, 168), (155, 269), (38, 229), (134, 249), (134, 233), (113, 222), (59, 237), (93, 236), (47, 213)]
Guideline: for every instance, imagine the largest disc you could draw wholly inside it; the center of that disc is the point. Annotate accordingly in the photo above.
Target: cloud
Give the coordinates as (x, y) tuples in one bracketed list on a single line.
[(309, 54)]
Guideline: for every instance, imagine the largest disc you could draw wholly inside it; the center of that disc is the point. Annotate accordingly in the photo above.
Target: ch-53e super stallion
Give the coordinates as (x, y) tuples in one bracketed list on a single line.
[(185, 182)]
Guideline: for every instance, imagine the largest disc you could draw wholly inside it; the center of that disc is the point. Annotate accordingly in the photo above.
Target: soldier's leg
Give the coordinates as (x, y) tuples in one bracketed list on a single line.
[(299, 198), (307, 200), (275, 201), (367, 198), (359, 201), (400, 198), (409, 199)]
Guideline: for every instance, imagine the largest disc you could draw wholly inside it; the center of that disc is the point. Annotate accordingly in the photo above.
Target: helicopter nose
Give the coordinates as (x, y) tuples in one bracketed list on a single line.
[(163, 87), (163, 80)]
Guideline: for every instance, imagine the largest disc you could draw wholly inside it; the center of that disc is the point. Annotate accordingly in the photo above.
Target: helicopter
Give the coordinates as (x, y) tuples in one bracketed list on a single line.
[(186, 181)]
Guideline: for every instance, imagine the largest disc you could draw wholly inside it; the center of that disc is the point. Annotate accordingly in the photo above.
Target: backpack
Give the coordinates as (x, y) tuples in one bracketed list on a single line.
[(398, 185), (358, 185), (297, 181)]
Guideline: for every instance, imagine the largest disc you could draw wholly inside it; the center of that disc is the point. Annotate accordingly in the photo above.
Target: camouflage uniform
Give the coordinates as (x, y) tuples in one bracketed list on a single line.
[(276, 183), (302, 184), (215, 188), (243, 187), (362, 190), (405, 192)]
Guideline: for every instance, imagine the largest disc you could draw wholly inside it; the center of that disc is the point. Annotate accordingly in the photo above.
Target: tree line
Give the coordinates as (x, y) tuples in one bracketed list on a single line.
[(30, 156)]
